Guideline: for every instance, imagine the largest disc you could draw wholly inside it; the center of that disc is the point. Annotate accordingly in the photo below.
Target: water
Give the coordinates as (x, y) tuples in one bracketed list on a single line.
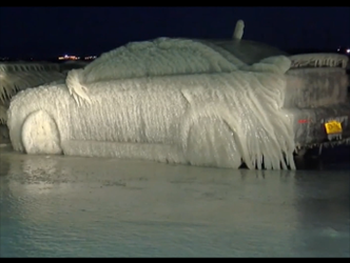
[(79, 207)]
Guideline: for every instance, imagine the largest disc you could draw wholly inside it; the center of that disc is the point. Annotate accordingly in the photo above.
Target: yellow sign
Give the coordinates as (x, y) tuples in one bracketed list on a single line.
[(333, 127)]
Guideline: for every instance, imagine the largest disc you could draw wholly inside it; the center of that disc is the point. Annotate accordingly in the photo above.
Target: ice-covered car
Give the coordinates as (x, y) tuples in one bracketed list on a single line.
[(202, 102)]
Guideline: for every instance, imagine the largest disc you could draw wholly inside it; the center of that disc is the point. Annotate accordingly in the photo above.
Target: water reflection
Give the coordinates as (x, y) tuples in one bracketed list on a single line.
[(323, 211)]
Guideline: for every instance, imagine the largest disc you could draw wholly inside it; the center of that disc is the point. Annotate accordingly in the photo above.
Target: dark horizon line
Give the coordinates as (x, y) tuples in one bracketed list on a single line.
[(51, 54)]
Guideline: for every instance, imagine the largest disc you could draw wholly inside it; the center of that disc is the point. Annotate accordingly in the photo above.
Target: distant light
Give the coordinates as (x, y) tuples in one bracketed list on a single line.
[(348, 51), (338, 49), (66, 57)]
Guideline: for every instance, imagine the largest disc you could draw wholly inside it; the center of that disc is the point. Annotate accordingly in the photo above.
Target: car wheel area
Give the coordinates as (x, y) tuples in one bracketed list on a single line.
[(40, 134)]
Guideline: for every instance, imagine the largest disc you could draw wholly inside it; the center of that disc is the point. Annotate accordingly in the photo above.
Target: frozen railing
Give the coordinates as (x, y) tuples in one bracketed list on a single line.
[(15, 77), (18, 76)]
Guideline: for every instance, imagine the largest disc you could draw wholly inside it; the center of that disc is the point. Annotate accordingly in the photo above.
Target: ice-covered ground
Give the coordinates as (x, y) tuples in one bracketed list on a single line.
[(102, 207)]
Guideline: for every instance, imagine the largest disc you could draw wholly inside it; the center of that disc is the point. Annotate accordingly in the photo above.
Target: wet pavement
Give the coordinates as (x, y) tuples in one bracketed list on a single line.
[(55, 206)]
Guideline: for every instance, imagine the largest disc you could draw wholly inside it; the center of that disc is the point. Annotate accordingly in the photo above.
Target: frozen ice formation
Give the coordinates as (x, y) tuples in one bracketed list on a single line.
[(167, 100)]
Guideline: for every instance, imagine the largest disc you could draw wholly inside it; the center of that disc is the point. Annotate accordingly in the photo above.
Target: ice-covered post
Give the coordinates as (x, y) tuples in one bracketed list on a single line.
[(239, 30)]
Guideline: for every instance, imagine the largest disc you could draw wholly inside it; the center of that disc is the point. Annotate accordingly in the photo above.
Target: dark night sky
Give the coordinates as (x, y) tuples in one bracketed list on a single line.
[(51, 31)]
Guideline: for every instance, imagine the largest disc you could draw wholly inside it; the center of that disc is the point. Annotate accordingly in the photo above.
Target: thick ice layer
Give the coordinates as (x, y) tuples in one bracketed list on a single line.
[(16, 76), (161, 57), (202, 119), (319, 60), (315, 87)]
